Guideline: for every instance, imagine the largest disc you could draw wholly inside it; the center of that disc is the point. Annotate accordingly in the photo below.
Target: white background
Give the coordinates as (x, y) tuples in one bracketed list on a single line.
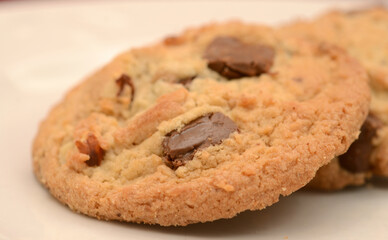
[(47, 47)]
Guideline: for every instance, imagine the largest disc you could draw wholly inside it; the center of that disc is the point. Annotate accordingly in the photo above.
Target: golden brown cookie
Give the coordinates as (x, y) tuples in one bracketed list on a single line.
[(364, 34), (202, 126)]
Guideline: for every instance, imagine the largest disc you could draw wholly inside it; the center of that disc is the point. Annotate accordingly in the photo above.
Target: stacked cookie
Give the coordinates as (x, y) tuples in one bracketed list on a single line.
[(364, 35), (215, 121)]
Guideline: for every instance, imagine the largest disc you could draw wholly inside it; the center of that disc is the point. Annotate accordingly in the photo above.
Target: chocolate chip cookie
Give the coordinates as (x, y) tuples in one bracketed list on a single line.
[(219, 120), (364, 34)]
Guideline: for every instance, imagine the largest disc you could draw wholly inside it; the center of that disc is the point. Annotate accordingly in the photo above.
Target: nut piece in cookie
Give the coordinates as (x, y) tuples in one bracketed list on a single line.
[(211, 129), (93, 149), (125, 80), (232, 58)]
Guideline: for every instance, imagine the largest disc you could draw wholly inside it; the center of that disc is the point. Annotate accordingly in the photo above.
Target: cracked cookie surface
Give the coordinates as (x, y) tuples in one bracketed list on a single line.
[(176, 133)]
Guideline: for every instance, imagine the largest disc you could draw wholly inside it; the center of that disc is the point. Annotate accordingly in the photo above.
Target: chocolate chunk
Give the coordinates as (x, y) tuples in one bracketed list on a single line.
[(93, 149), (125, 80), (211, 129), (357, 158), (186, 81), (234, 59)]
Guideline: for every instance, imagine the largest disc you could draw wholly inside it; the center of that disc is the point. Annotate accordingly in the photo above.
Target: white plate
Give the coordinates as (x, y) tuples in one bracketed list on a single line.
[(46, 47)]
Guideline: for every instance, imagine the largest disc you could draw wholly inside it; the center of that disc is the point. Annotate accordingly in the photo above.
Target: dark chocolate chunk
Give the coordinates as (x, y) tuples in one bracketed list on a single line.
[(186, 81), (125, 80), (357, 158), (93, 149), (234, 59), (211, 129)]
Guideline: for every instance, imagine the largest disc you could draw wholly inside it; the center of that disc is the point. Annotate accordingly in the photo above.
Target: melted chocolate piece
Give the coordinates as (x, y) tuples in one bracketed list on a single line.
[(125, 80), (211, 129), (232, 58), (93, 149), (357, 158)]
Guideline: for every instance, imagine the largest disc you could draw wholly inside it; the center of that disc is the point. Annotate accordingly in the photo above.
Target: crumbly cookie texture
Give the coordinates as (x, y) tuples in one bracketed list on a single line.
[(364, 34), (179, 133)]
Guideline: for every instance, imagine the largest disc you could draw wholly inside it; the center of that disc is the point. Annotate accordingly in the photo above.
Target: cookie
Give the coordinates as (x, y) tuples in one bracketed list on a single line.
[(202, 126), (364, 34)]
